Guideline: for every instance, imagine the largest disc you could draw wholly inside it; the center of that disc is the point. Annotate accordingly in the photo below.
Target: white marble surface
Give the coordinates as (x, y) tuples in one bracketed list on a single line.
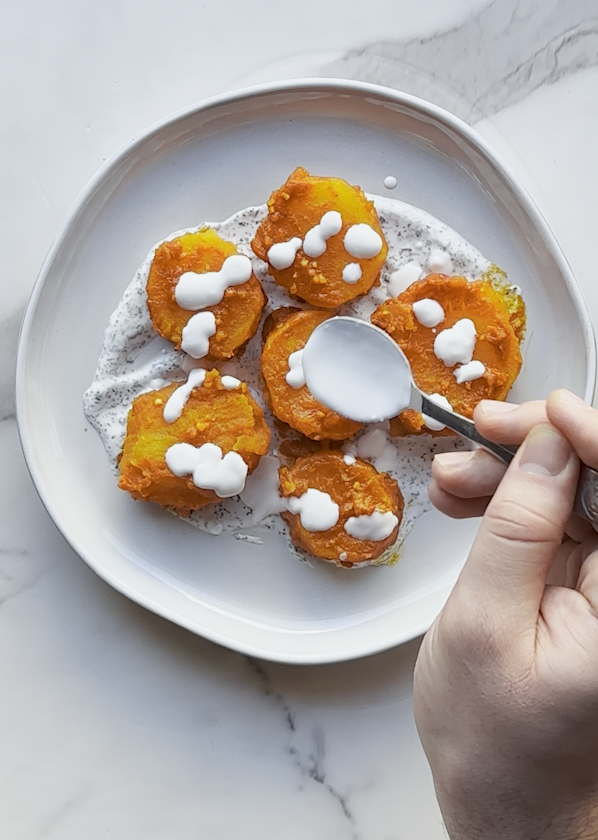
[(114, 724)]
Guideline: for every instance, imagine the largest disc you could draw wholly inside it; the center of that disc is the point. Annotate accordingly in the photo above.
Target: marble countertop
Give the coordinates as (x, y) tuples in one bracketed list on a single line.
[(115, 724)]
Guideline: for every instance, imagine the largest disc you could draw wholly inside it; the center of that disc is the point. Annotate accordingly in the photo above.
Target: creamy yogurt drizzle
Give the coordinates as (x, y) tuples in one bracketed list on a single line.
[(362, 241), (314, 243), (430, 423), (295, 377), (282, 255), (197, 291), (230, 383), (352, 273), (456, 345), (428, 312), (403, 277), (390, 182), (317, 511), (262, 490), (375, 526), (134, 359), (440, 262), (197, 333), (178, 399), (209, 468), (469, 372)]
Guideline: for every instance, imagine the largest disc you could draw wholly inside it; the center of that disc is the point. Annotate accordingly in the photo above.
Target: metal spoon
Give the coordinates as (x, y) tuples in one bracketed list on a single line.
[(359, 371)]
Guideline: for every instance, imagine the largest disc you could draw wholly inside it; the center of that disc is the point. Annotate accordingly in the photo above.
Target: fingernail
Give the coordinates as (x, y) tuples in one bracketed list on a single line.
[(572, 399), (492, 408), (544, 452), (454, 460)]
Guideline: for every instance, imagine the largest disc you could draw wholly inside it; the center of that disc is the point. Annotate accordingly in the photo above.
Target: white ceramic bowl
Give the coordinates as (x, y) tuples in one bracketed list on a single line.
[(204, 164)]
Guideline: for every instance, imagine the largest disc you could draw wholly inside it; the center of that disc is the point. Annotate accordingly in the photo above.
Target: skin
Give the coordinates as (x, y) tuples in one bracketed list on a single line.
[(506, 683)]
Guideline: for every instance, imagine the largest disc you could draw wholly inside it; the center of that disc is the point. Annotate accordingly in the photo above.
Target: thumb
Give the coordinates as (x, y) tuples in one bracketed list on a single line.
[(522, 529)]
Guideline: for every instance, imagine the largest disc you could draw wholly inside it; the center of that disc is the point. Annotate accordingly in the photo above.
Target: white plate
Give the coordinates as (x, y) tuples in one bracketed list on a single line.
[(204, 164)]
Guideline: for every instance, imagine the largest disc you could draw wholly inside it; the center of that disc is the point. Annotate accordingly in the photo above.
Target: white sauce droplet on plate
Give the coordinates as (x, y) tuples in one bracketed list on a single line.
[(403, 277), (225, 475), (371, 445), (352, 273), (428, 312), (197, 333), (282, 255), (261, 492), (178, 399), (439, 262), (295, 377), (375, 526), (390, 182), (314, 243), (230, 383), (469, 372), (197, 291), (434, 425), (362, 241), (456, 345), (316, 510)]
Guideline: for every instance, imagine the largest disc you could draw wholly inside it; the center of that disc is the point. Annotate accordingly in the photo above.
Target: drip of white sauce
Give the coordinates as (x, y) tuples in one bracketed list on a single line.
[(362, 241), (295, 377), (428, 312), (469, 372), (349, 459), (225, 475), (371, 445), (403, 277), (352, 273), (197, 291), (314, 243), (316, 510), (390, 182), (456, 345), (375, 526), (178, 399), (197, 333), (282, 255), (262, 490), (440, 262), (343, 556), (230, 383), (434, 425)]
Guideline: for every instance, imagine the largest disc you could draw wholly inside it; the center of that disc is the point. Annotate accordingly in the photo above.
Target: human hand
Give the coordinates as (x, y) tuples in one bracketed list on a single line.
[(506, 683)]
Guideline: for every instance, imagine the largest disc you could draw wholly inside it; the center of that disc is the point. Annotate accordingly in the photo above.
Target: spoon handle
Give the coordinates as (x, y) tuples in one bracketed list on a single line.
[(586, 497)]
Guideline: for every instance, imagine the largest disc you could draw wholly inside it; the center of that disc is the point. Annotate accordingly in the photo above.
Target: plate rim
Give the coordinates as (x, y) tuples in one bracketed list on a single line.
[(334, 86)]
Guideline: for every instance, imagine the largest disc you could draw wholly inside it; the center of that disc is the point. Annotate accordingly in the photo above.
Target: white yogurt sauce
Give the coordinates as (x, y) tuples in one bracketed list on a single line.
[(456, 345), (428, 312), (349, 459), (403, 277), (210, 469), (230, 383), (390, 182), (282, 255), (469, 372), (262, 490), (197, 333), (295, 377), (178, 399), (352, 273), (197, 291), (133, 357), (317, 511), (430, 423), (363, 242), (375, 526), (440, 262), (314, 242)]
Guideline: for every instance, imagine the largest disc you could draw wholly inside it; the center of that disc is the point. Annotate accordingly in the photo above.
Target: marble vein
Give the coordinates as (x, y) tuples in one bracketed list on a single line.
[(490, 61), (311, 766)]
